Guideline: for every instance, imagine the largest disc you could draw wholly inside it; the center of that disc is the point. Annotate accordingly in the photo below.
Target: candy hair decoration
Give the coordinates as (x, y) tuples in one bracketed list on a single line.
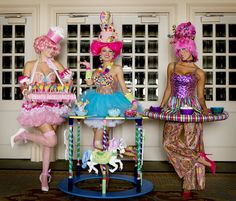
[(107, 37), (184, 30)]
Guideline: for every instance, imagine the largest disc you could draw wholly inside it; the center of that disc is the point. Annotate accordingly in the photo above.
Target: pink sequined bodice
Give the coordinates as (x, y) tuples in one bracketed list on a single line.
[(40, 77), (105, 84), (183, 86)]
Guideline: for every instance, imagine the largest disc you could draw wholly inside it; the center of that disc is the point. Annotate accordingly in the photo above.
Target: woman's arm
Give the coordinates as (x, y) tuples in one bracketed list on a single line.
[(59, 66), (120, 76), (200, 90), (167, 92), (24, 80), (89, 74), (65, 74), (28, 68)]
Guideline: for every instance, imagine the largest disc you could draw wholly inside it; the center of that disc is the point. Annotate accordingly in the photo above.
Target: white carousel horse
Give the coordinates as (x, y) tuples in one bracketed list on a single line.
[(92, 158)]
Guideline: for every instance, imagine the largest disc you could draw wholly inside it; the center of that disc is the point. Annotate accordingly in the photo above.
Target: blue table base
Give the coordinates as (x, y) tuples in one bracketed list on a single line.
[(146, 187)]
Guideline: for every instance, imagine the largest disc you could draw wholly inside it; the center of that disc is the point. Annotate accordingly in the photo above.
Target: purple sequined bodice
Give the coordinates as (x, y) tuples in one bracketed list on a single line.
[(183, 85)]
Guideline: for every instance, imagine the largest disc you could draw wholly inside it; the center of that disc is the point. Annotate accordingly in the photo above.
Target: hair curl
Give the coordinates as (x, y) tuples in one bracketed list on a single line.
[(43, 42)]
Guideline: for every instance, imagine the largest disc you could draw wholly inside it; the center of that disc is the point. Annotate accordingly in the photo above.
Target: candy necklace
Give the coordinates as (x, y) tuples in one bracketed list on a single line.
[(107, 69)]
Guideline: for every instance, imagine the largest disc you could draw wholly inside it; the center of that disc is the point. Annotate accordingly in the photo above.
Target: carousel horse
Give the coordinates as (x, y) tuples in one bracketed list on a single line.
[(116, 148)]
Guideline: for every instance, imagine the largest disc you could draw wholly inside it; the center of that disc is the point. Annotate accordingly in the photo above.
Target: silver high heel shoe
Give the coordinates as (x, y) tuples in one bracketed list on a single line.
[(45, 188)]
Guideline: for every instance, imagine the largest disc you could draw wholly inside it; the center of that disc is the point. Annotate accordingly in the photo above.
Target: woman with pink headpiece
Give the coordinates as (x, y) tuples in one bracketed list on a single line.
[(108, 79), (44, 116), (183, 142)]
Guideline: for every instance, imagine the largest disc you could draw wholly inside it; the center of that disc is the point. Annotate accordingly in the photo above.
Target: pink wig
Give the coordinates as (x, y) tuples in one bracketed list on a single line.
[(97, 46), (41, 43), (188, 44), (183, 38)]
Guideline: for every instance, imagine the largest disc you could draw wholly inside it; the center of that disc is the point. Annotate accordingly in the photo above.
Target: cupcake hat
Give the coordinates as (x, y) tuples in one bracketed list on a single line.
[(107, 37), (56, 34), (183, 38)]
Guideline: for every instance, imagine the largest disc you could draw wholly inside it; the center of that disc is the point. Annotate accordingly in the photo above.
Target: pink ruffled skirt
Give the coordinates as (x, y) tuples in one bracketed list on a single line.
[(37, 114)]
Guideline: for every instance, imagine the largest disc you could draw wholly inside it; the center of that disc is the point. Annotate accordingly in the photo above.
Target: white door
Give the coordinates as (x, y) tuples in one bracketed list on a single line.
[(15, 49), (216, 41)]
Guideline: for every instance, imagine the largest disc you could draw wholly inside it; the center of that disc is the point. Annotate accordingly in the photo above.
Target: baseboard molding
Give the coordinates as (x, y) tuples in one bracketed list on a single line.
[(148, 166)]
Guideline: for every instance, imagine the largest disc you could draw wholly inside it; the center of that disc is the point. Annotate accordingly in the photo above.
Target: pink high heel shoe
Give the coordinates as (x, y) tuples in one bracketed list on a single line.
[(45, 188), (18, 133), (213, 165)]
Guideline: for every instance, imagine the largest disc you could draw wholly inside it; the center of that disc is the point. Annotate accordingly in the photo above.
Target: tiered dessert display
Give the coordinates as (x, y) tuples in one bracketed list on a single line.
[(53, 92)]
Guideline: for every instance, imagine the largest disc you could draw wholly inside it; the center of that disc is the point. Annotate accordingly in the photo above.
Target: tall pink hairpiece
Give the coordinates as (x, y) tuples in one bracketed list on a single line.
[(107, 37), (183, 38)]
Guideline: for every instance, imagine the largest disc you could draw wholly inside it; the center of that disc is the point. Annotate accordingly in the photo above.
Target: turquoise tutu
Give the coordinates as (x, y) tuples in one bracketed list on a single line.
[(99, 104)]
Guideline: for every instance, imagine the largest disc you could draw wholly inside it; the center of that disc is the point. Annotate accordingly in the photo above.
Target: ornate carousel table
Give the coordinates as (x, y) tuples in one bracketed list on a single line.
[(69, 185), (194, 118)]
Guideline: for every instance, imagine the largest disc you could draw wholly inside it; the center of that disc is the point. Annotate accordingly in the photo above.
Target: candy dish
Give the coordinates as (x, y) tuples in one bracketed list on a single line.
[(217, 110), (155, 109), (130, 113), (114, 112), (81, 113), (186, 110)]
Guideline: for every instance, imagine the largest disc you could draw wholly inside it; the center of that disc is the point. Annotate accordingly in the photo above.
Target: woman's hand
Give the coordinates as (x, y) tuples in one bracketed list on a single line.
[(86, 64), (89, 82), (88, 76), (134, 107), (205, 111)]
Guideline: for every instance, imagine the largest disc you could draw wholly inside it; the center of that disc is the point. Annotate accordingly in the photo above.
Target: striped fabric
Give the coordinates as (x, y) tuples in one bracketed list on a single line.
[(196, 117)]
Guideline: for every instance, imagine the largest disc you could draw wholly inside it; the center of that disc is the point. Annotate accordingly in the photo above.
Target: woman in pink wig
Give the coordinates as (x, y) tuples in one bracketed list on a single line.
[(44, 116), (108, 79), (183, 142)]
